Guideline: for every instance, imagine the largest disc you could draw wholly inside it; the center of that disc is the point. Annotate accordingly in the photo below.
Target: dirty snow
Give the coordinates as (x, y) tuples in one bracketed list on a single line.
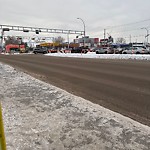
[(93, 55), (39, 116), (102, 56)]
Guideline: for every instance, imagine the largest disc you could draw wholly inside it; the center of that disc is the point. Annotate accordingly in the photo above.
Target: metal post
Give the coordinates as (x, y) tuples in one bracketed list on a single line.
[(147, 33), (2, 35), (3, 29), (53, 39), (84, 31), (68, 39), (104, 37), (19, 43)]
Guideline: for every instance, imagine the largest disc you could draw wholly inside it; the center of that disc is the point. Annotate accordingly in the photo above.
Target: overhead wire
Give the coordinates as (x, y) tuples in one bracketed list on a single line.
[(128, 25), (137, 22)]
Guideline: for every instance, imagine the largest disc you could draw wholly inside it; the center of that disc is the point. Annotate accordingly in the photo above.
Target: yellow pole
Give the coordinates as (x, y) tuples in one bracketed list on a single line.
[(2, 135)]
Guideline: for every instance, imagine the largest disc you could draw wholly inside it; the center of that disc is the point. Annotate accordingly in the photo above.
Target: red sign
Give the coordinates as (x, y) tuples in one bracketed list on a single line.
[(96, 40)]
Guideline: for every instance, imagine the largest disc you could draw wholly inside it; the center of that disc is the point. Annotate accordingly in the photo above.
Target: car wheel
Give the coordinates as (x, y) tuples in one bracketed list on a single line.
[(137, 52), (124, 52), (105, 52), (97, 52)]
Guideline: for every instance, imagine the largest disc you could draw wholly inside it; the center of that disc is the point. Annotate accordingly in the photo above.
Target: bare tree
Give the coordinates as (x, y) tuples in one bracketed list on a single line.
[(13, 40), (120, 40), (59, 40)]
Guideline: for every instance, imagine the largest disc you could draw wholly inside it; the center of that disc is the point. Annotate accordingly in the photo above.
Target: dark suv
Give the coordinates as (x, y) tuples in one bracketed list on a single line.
[(79, 50), (40, 50)]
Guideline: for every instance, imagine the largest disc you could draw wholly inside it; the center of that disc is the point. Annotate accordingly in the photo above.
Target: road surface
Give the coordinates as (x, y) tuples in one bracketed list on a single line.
[(120, 85)]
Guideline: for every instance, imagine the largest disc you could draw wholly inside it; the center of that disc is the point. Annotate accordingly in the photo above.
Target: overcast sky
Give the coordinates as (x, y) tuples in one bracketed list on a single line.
[(97, 15)]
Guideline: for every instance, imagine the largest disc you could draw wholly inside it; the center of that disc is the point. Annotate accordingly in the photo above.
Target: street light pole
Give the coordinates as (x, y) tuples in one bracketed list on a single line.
[(84, 30), (2, 36), (147, 34), (68, 40)]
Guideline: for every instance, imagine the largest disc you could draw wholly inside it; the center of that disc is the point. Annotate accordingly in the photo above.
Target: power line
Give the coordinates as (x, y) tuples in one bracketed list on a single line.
[(134, 36), (128, 24), (118, 32)]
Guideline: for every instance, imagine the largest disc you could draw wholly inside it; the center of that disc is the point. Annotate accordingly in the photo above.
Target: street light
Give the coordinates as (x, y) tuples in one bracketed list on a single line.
[(37, 31), (84, 30), (5, 29), (147, 34)]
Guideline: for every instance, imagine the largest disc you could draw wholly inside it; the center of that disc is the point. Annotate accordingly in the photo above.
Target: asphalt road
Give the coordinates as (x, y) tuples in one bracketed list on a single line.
[(120, 85)]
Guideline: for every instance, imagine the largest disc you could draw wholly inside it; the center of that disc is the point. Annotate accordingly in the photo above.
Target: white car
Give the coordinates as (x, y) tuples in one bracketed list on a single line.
[(135, 50), (103, 50)]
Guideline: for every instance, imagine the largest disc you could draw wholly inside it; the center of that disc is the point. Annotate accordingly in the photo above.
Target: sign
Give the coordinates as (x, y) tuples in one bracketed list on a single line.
[(96, 40)]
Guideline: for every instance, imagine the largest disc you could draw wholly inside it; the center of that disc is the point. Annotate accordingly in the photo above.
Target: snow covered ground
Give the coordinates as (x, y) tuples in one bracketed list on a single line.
[(39, 116), (102, 56)]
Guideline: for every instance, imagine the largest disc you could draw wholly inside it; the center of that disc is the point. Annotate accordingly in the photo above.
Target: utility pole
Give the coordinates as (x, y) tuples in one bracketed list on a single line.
[(104, 37), (84, 30), (68, 39), (146, 36), (2, 35)]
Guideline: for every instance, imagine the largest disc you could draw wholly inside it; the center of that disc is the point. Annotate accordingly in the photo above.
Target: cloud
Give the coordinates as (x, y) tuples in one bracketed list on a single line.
[(62, 14)]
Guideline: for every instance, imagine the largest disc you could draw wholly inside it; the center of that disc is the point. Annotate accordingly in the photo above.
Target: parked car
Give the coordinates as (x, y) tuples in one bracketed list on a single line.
[(40, 50), (114, 50), (66, 50), (102, 50), (119, 50), (79, 50), (93, 49), (135, 50), (111, 50), (52, 50)]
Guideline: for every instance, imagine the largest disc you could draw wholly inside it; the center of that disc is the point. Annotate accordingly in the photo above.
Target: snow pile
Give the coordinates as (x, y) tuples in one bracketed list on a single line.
[(93, 55), (102, 56), (39, 116)]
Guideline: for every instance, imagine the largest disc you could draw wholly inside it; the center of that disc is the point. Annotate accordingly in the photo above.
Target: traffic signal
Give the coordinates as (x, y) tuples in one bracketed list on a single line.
[(25, 30), (5, 29), (37, 31)]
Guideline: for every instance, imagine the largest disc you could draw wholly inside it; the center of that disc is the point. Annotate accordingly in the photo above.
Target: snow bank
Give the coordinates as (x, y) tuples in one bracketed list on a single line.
[(102, 56)]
